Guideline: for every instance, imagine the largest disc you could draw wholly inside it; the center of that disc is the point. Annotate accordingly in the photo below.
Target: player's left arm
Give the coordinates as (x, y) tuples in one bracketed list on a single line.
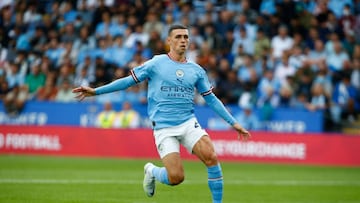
[(204, 87), (220, 109)]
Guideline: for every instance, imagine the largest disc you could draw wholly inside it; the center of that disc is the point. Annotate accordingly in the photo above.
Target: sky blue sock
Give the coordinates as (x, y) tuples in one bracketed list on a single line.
[(161, 175), (216, 183)]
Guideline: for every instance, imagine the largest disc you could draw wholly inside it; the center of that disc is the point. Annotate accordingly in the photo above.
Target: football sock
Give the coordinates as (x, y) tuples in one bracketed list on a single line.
[(161, 175), (215, 182)]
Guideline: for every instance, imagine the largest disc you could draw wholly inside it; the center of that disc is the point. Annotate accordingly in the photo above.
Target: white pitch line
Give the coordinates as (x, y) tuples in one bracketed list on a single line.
[(227, 182)]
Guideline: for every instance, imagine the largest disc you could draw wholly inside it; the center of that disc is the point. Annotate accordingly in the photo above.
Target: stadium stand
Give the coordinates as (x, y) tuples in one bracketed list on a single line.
[(276, 51)]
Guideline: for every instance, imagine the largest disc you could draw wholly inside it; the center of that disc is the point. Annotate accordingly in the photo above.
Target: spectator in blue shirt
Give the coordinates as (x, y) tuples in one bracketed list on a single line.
[(248, 118)]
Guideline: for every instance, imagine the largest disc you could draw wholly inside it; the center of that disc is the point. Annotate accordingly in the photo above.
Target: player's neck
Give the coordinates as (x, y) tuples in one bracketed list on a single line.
[(177, 57)]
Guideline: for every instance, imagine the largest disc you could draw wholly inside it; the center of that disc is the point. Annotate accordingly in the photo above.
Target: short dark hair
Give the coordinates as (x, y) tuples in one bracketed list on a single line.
[(175, 27)]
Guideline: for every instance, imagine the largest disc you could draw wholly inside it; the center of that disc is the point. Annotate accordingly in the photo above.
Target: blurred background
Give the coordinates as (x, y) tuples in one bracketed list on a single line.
[(288, 70), (278, 65)]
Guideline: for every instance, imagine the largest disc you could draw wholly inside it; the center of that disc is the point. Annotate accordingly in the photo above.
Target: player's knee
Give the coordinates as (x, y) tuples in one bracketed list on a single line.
[(176, 178), (210, 159)]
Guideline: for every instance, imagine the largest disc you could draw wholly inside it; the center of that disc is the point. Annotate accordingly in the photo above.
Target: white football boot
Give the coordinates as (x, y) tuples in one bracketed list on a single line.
[(149, 180)]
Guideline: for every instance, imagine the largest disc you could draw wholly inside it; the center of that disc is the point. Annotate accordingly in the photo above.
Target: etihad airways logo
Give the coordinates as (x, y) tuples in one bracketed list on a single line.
[(178, 91), (181, 89)]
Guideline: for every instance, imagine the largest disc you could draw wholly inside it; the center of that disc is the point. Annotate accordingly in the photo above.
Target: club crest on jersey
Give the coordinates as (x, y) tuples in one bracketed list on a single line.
[(179, 73)]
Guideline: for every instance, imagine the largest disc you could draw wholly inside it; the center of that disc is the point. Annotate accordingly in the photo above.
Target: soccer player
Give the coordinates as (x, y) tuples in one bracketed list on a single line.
[(171, 87)]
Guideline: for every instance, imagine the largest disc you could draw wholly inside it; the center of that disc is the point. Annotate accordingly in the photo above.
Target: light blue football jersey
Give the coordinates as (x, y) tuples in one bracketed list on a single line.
[(171, 89)]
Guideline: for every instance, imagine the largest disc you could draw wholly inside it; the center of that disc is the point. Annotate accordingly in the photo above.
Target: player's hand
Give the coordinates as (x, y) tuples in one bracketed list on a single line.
[(243, 134), (83, 92)]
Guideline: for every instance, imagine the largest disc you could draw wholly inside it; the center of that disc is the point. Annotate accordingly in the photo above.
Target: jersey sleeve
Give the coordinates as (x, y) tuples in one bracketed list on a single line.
[(203, 85), (142, 72), (205, 89)]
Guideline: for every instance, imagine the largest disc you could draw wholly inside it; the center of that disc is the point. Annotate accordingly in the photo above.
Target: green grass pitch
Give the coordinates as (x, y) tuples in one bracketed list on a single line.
[(47, 179)]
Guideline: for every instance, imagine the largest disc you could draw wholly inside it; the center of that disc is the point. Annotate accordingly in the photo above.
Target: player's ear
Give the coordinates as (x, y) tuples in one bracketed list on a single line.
[(168, 40)]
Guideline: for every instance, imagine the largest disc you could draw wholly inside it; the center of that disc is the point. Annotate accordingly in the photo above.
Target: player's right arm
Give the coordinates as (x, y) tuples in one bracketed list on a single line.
[(137, 75), (119, 84)]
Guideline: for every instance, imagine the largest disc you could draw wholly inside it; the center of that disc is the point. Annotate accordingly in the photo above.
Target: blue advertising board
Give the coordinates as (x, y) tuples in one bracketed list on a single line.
[(84, 114)]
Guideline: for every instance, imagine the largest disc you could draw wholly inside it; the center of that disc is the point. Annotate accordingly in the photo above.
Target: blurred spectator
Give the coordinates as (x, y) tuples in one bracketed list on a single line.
[(233, 5), (15, 99), (281, 42), (250, 14), (336, 59), (231, 82), (287, 95), (98, 13), (4, 88), (212, 37), (283, 70), (168, 21), (188, 12), (286, 10), (65, 73), (323, 77), (267, 7), (136, 61), (247, 70), (13, 75), (225, 23), (193, 52), (297, 57), (248, 96), (261, 45), (119, 55), (90, 69), (345, 99), (68, 34), (340, 8), (106, 118), (136, 95), (355, 75), (239, 58), (268, 102), (102, 70), (317, 55), (267, 81), (153, 24), (347, 20), (248, 118), (105, 28), (23, 60), (304, 79), (48, 92), (31, 15), (81, 79), (137, 36), (312, 37), (64, 93), (247, 41), (318, 99), (38, 39), (349, 43), (196, 37), (127, 117), (84, 44), (55, 51), (36, 79)]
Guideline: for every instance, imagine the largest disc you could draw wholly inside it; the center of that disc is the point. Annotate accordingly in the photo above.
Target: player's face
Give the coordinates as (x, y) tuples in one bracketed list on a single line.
[(179, 40)]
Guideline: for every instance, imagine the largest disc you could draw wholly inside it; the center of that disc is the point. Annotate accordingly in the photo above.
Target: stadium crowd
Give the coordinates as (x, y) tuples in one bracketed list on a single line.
[(262, 53)]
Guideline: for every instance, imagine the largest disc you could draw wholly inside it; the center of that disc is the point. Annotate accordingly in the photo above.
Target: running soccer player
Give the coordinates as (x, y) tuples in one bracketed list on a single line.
[(171, 88)]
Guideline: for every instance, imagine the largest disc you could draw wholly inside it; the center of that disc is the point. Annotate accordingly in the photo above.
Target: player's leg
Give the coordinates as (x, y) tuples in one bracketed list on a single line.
[(172, 173), (198, 142), (174, 168), (205, 151)]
